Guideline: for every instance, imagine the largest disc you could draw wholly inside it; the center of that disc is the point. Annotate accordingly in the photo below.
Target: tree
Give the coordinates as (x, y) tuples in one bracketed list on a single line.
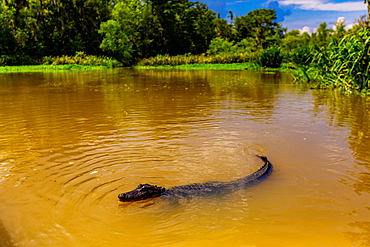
[(223, 29), (123, 33), (45, 27), (202, 30), (7, 42), (259, 24), (141, 29), (293, 40), (322, 37), (339, 29)]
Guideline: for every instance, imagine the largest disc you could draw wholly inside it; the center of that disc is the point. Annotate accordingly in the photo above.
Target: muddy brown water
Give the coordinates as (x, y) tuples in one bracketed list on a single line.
[(70, 142)]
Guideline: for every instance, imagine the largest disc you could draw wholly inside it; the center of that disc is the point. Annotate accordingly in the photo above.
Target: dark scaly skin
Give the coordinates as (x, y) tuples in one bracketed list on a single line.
[(146, 191)]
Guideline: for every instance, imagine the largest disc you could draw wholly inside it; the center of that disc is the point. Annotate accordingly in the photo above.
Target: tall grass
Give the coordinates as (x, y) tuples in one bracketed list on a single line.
[(223, 58), (346, 63), (213, 66), (271, 57), (80, 58), (302, 58), (53, 68)]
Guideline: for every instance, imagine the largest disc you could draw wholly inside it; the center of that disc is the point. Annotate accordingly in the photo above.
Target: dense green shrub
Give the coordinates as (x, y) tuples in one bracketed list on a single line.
[(223, 58), (10, 60), (346, 63), (80, 58), (271, 57), (221, 46)]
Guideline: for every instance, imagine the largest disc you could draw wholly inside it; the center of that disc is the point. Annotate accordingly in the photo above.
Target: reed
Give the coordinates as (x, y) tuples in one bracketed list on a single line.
[(302, 58), (271, 57), (80, 58), (224, 58), (232, 66), (346, 63)]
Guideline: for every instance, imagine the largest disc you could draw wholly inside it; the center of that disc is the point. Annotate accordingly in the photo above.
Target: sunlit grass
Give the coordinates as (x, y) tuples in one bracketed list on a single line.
[(232, 66), (31, 68)]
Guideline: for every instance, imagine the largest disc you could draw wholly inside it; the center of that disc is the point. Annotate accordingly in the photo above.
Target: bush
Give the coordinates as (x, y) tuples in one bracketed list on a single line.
[(221, 46), (12, 60), (223, 58), (346, 63), (271, 57), (80, 58)]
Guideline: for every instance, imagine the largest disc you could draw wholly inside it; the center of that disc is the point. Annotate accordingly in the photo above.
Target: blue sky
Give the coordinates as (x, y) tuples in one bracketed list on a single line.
[(296, 14)]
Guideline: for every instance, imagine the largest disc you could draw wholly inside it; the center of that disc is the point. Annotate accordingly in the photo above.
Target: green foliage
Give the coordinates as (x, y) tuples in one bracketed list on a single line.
[(39, 28), (142, 29), (323, 35), (294, 40), (219, 46), (271, 57), (6, 37), (346, 63), (213, 66), (37, 68), (260, 25), (223, 29), (224, 58), (80, 58), (11, 60), (177, 32), (302, 58)]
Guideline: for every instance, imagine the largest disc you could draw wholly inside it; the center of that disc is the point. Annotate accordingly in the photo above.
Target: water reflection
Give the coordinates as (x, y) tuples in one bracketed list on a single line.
[(354, 113), (5, 239), (362, 237), (70, 142)]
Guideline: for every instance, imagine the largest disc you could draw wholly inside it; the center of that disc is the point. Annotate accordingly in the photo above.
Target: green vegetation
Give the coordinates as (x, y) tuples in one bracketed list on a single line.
[(178, 32), (346, 63), (215, 66), (80, 58), (225, 58), (34, 68)]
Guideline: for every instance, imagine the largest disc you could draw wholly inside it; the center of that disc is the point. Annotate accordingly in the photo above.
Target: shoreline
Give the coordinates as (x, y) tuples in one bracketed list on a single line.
[(48, 68), (75, 67)]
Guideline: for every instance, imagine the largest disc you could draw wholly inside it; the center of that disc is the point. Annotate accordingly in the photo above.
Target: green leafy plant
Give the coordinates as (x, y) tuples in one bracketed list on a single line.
[(271, 57), (346, 63)]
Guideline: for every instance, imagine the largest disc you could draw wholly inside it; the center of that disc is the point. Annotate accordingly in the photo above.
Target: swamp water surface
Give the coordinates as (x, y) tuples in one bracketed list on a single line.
[(70, 142)]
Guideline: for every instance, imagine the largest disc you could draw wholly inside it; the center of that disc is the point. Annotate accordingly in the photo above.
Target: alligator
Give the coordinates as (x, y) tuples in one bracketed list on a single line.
[(146, 191)]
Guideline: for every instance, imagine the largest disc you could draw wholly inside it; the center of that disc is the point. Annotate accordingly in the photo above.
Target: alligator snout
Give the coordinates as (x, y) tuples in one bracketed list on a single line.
[(122, 196)]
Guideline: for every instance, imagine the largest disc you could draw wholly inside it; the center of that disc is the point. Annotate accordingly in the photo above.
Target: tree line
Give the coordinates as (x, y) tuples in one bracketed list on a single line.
[(130, 30)]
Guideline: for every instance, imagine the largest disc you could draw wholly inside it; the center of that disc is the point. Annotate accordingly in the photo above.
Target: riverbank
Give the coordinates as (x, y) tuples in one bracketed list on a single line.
[(231, 66), (299, 74), (38, 68)]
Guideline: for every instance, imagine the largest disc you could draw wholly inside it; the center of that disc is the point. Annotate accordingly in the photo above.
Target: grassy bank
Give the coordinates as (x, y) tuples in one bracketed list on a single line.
[(80, 58), (36, 68), (232, 66)]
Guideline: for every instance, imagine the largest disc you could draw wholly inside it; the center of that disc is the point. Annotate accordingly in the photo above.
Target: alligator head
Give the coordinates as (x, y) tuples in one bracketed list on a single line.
[(142, 192)]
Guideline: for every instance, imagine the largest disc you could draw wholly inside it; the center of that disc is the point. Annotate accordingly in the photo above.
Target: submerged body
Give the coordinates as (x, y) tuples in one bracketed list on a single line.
[(145, 191)]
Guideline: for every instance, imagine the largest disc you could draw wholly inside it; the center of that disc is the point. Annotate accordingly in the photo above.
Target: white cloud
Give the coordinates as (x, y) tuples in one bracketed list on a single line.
[(310, 30), (325, 6), (349, 26), (340, 20), (305, 29)]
